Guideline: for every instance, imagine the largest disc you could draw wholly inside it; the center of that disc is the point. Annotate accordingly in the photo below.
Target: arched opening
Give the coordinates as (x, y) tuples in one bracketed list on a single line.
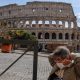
[(40, 36), (60, 24), (66, 24), (26, 24), (60, 36), (46, 23), (33, 33), (34, 23), (9, 24), (20, 24), (15, 24), (72, 36), (40, 23), (78, 48), (40, 47), (46, 35), (46, 46), (67, 36), (53, 35), (54, 24)]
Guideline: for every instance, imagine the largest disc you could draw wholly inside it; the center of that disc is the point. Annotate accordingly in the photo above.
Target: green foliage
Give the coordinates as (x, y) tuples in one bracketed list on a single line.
[(21, 34)]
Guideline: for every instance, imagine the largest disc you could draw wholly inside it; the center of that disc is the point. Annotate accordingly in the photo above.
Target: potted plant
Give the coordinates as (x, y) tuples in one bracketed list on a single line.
[(6, 46), (16, 35)]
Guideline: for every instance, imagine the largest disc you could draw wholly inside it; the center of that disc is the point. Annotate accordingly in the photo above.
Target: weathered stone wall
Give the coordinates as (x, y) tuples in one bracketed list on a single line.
[(51, 22), (53, 9)]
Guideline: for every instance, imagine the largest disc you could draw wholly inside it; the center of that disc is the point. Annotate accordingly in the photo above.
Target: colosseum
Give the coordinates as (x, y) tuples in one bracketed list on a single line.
[(52, 23)]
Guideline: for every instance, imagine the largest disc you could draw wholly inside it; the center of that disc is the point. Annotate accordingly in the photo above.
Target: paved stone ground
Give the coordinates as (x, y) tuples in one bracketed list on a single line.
[(23, 69)]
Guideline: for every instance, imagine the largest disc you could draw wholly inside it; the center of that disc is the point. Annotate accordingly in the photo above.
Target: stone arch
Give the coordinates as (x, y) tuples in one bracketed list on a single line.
[(46, 35), (9, 24), (53, 35), (46, 46), (21, 22), (78, 48), (66, 24), (72, 36), (40, 47), (46, 22), (60, 22), (53, 22), (60, 36), (40, 35), (66, 35), (40, 22), (33, 22), (33, 33), (27, 22), (16, 25)]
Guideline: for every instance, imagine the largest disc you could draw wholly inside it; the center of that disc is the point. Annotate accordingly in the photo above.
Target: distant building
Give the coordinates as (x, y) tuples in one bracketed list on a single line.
[(53, 23)]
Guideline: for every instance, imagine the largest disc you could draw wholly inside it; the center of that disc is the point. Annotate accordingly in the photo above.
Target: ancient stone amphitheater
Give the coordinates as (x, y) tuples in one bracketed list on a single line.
[(53, 23)]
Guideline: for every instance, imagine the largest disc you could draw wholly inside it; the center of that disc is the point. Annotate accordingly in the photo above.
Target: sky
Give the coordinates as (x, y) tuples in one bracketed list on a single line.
[(75, 4)]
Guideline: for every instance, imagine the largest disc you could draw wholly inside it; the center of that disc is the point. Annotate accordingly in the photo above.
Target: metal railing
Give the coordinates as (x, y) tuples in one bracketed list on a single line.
[(31, 45)]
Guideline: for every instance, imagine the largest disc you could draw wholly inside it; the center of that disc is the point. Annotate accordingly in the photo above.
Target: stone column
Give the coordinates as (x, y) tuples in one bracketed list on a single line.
[(63, 36), (57, 23), (63, 22), (24, 24), (74, 24), (18, 24), (13, 23), (57, 36), (69, 24), (70, 36), (36, 35), (44, 46), (50, 23), (43, 24), (50, 37), (43, 35), (75, 36), (30, 23), (37, 25)]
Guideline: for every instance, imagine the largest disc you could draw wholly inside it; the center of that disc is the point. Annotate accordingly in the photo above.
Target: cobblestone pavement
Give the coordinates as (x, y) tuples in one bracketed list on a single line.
[(23, 69)]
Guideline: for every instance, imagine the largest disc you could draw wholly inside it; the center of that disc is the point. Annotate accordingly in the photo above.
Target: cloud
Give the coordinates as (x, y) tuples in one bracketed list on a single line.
[(53, 0), (78, 15), (78, 24)]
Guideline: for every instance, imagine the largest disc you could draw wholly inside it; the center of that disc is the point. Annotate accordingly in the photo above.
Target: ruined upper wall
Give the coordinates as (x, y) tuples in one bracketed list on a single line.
[(38, 9)]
